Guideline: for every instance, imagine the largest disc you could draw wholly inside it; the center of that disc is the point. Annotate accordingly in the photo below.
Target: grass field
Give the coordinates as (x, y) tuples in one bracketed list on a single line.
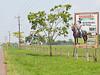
[(38, 62)]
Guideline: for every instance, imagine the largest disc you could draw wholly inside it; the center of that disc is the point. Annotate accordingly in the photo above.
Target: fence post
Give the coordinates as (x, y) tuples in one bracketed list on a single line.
[(60, 51), (75, 52), (95, 55), (55, 52), (68, 53), (87, 54)]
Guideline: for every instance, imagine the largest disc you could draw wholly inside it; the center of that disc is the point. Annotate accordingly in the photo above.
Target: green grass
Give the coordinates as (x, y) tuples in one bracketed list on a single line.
[(30, 62)]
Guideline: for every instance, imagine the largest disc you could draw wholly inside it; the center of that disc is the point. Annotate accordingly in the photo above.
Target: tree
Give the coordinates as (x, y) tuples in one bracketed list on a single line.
[(52, 25), (16, 34), (28, 39)]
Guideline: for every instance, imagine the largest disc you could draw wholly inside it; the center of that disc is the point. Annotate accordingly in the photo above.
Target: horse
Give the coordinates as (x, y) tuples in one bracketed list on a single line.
[(75, 35), (84, 35), (78, 34)]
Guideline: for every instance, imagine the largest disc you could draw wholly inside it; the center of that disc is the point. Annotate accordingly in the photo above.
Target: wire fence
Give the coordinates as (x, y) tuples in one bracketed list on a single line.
[(64, 50)]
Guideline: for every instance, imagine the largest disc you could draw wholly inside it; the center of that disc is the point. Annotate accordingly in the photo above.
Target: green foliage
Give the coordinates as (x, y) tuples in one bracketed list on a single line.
[(52, 17), (34, 39), (37, 19), (28, 38), (66, 7), (51, 25), (16, 34)]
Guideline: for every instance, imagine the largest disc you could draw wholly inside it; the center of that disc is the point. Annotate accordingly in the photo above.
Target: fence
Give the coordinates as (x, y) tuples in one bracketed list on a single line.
[(66, 50)]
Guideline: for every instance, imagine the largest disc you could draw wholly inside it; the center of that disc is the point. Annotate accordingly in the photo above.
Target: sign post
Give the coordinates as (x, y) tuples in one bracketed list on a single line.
[(89, 22)]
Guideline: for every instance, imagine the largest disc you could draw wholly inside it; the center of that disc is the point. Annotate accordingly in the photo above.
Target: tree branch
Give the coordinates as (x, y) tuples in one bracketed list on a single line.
[(58, 23), (55, 36)]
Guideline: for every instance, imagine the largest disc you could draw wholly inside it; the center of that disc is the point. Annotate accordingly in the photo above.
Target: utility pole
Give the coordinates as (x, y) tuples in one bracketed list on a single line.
[(9, 37), (18, 17)]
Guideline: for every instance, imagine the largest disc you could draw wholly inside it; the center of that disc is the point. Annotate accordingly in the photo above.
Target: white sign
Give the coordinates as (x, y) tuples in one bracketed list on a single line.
[(88, 22)]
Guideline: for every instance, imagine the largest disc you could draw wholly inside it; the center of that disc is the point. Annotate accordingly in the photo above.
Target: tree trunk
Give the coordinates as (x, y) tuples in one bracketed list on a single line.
[(50, 46), (50, 50)]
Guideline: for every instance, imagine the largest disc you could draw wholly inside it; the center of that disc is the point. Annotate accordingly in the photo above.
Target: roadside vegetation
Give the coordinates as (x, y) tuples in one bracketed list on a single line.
[(28, 61)]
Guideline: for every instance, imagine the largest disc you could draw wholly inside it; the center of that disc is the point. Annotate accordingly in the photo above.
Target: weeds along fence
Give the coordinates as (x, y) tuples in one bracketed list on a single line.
[(45, 50), (62, 50)]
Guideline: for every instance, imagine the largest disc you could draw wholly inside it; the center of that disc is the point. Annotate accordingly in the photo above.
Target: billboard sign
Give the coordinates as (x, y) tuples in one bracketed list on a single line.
[(89, 22)]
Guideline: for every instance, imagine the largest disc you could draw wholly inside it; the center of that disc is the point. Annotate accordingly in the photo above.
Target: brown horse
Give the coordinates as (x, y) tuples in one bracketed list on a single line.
[(77, 34), (84, 35)]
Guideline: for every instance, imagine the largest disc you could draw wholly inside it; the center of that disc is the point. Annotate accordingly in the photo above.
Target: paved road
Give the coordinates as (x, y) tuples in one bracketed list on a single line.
[(2, 65)]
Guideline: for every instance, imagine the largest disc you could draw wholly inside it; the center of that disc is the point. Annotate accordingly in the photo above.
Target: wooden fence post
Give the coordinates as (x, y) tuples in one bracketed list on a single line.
[(55, 52), (95, 55), (87, 54), (67, 53), (60, 51), (75, 53)]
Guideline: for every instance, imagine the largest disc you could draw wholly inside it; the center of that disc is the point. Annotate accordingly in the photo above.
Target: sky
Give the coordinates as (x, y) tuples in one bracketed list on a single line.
[(10, 9)]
